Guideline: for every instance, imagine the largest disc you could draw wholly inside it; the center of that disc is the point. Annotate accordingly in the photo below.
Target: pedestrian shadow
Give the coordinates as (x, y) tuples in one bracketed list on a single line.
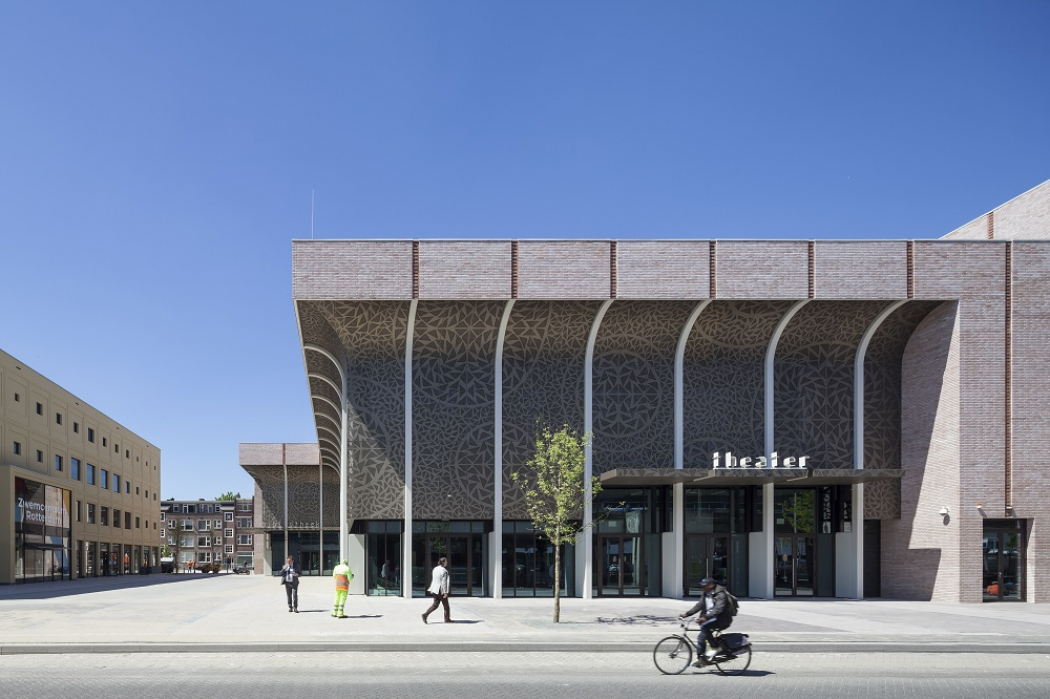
[(464, 621), (363, 616), (745, 673), (638, 619)]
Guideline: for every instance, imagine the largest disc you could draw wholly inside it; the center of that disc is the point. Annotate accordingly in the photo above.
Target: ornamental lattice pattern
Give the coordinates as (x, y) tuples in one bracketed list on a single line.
[(813, 380), (373, 335), (453, 399), (723, 373), (543, 359), (882, 405), (634, 384)]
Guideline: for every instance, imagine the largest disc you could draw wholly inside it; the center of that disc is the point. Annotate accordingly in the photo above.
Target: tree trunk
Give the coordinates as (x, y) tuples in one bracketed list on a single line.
[(557, 583)]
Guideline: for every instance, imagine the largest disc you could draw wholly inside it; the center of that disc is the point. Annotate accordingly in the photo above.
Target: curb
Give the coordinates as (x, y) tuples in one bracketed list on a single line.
[(502, 647)]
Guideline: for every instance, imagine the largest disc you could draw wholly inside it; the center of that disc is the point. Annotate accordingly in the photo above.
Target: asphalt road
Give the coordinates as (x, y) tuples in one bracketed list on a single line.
[(444, 675)]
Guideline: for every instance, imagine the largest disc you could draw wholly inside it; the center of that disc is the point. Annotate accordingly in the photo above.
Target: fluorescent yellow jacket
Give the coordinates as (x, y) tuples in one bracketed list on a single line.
[(342, 576)]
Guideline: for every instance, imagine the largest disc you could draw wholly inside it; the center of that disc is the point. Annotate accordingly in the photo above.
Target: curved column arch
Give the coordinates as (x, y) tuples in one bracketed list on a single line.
[(588, 427), (330, 431), (328, 417), (344, 528), (771, 353), (678, 490), (322, 377), (495, 544), (406, 545)]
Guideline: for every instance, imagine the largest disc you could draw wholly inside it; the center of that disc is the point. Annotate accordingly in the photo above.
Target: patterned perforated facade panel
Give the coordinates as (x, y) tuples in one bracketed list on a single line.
[(813, 381), (373, 334), (723, 372), (882, 405), (453, 398), (634, 384), (543, 360)]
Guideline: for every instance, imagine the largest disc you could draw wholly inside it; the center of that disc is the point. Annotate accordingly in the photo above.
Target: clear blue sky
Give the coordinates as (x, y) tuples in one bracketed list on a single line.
[(156, 160)]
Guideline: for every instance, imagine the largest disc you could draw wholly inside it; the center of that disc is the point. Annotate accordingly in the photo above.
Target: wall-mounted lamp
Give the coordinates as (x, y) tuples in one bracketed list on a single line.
[(1009, 508), (944, 511), (980, 506)]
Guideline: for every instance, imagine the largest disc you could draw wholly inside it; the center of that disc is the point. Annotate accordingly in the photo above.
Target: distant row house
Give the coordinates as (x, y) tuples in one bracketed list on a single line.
[(203, 533)]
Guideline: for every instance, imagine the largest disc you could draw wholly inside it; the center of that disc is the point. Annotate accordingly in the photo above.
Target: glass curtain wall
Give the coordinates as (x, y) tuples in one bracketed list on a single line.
[(716, 538), (627, 541), (528, 563), (383, 556)]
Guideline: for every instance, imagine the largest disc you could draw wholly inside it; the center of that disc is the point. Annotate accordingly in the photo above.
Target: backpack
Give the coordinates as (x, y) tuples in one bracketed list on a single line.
[(734, 605)]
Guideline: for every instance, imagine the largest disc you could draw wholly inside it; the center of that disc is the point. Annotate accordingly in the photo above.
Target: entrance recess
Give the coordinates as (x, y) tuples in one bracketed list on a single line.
[(464, 560), (707, 556), (620, 565), (1003, 561), (794, 565)]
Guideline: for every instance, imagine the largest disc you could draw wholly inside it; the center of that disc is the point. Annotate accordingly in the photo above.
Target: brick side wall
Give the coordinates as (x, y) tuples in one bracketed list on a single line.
[(564, 269), (1025, 217), (762, 269), (1031, 407), (657, 269), (346, 269), (478, 269), (861, 270), (976, 229), (259, 455), (920, 551)]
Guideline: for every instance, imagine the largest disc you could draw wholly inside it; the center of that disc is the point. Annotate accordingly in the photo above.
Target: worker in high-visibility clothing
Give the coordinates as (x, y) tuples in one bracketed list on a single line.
[(342, 575)]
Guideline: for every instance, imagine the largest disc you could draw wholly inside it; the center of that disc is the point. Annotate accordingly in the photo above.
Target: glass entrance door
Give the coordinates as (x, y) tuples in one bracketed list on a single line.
[(795, 565), (1003, 562), (464, 554), (619, 566), (705, 557)]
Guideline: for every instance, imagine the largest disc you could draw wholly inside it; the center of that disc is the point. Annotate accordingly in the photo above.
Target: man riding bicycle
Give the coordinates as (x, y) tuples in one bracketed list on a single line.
[(716, 616)]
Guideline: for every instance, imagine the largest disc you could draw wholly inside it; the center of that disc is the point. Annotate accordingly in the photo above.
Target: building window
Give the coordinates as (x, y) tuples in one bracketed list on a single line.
[(203, 525), (116, 483), (217, 525), (138, 524), (16, 448), (127, 520), (127, 453), (137, 491), (90, 474), (103, 479), (186, 542), (103, 441), (74, 468), (227, 533), (58, 462), (187, 525), (228, 516), (171, 524), (127, 488), (18, 398), (116, 448), (76, 427), (58, 418), (203, 541), (229, 550), (244, 522), (39, 408), (103, 516), (91, 435), (163, 516), (91, 513), (79, 508), (244, 539), (39, 456), (116, 518), (244, 507)]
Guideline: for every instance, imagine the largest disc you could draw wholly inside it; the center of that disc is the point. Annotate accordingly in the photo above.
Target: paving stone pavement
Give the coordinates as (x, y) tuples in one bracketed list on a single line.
[(224, 613)]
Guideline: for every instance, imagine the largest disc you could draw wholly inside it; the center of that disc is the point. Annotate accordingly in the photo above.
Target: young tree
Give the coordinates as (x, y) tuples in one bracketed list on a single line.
[(229, 495), (555, 492)]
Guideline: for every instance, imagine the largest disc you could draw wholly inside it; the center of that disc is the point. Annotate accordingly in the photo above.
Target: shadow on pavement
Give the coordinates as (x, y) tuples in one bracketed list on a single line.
[(80, 586)]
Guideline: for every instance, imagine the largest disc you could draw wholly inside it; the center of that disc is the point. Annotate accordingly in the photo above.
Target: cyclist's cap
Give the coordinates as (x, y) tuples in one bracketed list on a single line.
[(708, 581)]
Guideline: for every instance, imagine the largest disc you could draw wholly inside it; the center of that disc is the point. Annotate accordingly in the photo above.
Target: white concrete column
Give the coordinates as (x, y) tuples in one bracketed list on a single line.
[(585, 543), (761, 543), (496, 540), (854, 559), (677, 551), (406, 537)]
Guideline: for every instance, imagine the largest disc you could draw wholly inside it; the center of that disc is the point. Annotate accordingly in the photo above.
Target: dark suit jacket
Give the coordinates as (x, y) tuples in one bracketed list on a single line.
[(298, 571)]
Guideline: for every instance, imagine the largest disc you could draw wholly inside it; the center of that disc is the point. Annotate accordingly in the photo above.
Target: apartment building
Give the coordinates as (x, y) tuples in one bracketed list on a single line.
[(199, 533), (78, 490)]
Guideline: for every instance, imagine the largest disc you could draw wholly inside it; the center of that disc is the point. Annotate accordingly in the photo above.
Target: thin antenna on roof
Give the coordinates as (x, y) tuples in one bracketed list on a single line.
[(311, 213)]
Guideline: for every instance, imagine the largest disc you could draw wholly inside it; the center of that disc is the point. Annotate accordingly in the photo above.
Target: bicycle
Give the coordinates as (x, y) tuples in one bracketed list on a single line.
[(672, 655)]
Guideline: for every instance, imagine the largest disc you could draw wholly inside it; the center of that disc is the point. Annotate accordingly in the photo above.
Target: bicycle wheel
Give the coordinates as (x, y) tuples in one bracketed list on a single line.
[(733, 663), (672, 655)]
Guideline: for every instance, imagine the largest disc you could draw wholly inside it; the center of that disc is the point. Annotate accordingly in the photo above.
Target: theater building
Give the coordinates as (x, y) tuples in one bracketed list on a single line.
[(829, 418)]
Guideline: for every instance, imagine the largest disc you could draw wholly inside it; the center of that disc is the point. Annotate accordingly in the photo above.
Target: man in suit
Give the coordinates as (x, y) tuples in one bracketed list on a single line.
[(439, 585), (290, 579)]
